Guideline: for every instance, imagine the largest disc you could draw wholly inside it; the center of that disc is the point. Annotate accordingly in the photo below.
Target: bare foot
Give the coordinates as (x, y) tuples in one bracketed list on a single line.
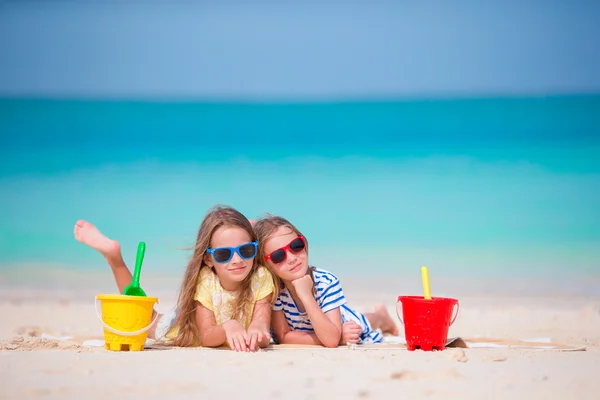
[(87, 233), (387, 323)]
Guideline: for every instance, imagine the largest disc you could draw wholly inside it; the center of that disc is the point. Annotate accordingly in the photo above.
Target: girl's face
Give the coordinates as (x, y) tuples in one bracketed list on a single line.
[(226, 245), (295, 263)]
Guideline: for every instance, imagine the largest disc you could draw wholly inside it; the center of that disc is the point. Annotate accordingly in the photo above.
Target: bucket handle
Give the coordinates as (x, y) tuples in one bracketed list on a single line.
[(113, 330), (455, 312), (399, 303), (457, 307)]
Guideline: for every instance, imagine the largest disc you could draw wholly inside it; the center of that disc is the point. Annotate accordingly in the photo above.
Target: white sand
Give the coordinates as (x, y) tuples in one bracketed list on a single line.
[(31, 367)]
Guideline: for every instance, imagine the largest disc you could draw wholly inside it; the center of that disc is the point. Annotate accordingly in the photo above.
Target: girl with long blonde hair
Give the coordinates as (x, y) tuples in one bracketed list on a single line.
[(225, 296)]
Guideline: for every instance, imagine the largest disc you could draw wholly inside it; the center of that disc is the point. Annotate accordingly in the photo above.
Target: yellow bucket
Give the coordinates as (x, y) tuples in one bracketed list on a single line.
[(126, 320)]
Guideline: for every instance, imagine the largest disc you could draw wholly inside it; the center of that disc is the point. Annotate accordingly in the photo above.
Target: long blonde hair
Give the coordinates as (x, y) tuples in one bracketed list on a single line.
[(187, 329), (264, 228)]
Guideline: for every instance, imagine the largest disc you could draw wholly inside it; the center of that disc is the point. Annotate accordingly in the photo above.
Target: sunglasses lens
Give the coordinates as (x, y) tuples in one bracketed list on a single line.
[(248, 250), (278, 256), (222, 255), (297, 245)]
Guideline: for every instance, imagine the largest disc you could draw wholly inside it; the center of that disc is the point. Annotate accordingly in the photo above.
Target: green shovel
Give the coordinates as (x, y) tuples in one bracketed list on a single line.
[(134, 289)]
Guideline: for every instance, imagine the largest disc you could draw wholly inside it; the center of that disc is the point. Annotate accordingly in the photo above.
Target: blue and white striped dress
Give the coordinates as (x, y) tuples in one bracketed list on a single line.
[(329, 297)]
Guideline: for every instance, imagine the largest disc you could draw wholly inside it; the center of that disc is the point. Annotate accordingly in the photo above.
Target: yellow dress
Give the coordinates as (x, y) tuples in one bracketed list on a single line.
[(211, 294)]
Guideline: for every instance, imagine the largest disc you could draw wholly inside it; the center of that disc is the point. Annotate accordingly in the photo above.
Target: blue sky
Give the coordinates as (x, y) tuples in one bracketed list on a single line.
[(268, 49)]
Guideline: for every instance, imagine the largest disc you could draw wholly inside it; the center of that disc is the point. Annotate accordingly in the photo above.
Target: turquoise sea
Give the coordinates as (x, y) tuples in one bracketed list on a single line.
[(470, 186)]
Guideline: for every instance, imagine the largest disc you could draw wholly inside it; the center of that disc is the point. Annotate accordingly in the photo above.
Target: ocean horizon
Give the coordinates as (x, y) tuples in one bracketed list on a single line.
[(486, 187)]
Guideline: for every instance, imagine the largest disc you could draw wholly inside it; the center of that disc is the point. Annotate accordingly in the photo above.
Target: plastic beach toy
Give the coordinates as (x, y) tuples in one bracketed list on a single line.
[(134, 289), (426, 319), (126, 320)]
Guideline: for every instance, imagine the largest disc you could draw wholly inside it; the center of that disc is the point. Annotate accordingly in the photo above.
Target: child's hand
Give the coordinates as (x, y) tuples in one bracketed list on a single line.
[(303, 286), (350, 332), (257, 332), (236, 335)]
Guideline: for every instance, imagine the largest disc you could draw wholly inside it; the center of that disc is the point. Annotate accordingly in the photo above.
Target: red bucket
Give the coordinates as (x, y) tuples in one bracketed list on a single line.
[(426, 322)]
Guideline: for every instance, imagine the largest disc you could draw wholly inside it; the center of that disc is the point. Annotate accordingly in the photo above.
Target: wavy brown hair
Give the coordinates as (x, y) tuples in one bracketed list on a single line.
[(264, 228), (218, 216)]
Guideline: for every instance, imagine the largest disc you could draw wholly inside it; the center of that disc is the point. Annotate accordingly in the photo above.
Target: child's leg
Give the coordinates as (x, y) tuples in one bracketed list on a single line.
[(381, 319), (88, 234)]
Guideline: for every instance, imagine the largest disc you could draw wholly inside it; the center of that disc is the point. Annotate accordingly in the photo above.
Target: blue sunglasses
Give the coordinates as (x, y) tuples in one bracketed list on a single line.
[(222, 255)]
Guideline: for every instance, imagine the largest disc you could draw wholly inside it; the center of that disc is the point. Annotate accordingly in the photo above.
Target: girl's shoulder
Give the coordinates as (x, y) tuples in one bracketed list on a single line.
[(206, 272), (262, 276), (262, 272), (262, 282), (207, 285), (322, 276), (207, 277)]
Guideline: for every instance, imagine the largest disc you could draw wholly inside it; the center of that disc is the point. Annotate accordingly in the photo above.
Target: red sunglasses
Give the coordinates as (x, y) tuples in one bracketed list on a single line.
[(295, 246)]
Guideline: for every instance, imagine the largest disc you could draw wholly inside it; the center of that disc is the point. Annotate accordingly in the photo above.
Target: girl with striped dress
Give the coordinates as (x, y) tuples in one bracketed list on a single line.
[(310, 306)]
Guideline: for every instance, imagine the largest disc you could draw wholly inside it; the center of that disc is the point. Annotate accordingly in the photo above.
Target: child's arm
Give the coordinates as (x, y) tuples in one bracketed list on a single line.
[(258, 331), (213, 335), (327, 326), (283, 335)]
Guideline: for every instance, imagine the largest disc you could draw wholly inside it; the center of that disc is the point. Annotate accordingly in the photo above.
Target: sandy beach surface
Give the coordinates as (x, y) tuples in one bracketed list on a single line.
[(33, 367)]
